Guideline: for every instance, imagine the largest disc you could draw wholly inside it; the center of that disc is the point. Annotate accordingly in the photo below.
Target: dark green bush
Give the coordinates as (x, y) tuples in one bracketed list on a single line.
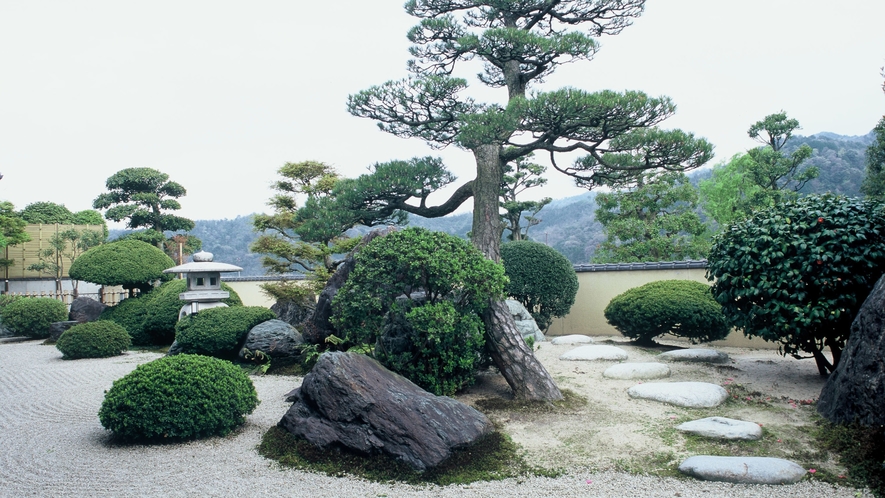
[(181, 397), (161, 316), (219, 332), (683, 308), (129, 314), (541, 278), (31, 316), (6, 299), (432, 288), (98, 339), (797, 273), (132, 264)]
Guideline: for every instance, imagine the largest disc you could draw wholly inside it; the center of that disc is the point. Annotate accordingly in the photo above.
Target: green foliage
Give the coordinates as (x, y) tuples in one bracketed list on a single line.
[(142, 197), (541, 278), (47, 213), (682, 308), (772, 170), (12, 230), (161, 314), (129, 314), (389, 272), (656, 221), (219, 332), (874, 182), (727, 196), (32, 316), (98, 339), (861, 450), (67, 245), (798, 273), (179, 397), (519, 176), (130, 263)]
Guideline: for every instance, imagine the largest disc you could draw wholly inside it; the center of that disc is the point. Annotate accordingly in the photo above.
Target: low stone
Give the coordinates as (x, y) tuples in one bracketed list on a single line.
[(684, 394), (722, 428), (695, 355), (85, 309), (349, 400), (637, 371), (525, 323), (56, 329), (743, 470), (274, 338), (174, 349), (593, 353), (572, 339)]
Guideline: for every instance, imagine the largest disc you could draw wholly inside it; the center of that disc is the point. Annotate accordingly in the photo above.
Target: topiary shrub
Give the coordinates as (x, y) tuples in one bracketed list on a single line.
[(161, 316), (6, 299), (181, 397), (798, 273), (683, 308), (129, 314), (428, 289), (132, 264), (98, 339), (541, 278), (32, 316), (219, 332)]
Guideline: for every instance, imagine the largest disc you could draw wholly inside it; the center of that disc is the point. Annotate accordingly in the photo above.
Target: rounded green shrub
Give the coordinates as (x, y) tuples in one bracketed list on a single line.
[(132, 264), (32, 316), (219, 332), (129, 314), (98, 339), (541, 278), (683, 308), (181, 397), (428, 290), (161, 316)]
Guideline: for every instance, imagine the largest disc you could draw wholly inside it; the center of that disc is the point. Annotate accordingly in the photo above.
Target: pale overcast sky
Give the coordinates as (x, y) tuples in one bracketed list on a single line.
[(219, 94)]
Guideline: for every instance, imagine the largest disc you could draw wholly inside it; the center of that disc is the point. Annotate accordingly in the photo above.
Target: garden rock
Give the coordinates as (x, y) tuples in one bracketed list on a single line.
[(350, 400), (524, 322), (593, 353), (56, 329), (572, 339), (174, 349), (275, 338), (694, 355), (743, 470), (855, 391), (629, 371), (292, 312), (722, 428), (684, 394), (85, 309)]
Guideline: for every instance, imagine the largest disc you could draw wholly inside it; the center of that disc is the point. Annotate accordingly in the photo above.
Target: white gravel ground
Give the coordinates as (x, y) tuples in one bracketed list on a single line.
[(52, 445)]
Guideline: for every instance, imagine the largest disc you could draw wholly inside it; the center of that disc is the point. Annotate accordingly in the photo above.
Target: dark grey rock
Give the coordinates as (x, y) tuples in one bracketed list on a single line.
[(350, 400), (174, 349), (274, 338), (743, 470), (294, 313), (855, 390), (722, 428), (56, 329), (85, 309)]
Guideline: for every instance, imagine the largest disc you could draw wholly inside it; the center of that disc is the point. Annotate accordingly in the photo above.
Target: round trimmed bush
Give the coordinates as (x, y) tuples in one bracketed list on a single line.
[(129, 314), (32, 316), (132, 264), (98, 339), (541, 278), (683, 308), (219, 332), (182, 397), (161, 316)]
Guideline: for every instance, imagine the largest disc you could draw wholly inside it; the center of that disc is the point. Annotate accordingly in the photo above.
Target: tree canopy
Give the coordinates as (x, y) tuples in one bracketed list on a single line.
[(12, 229), (143, 197)]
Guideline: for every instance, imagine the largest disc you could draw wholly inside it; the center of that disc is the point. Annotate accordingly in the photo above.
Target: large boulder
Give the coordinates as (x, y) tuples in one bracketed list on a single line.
[(525, 323), (85, 309), (274, 338), (350, 400), (855, 391), (294, 312), (56, 329), (318, 327)]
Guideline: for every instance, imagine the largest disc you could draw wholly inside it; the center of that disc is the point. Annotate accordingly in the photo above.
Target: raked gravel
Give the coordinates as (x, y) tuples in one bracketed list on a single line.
[(52, 444)]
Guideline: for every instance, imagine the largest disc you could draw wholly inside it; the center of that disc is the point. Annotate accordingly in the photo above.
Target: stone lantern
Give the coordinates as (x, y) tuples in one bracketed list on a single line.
[(203, 283)]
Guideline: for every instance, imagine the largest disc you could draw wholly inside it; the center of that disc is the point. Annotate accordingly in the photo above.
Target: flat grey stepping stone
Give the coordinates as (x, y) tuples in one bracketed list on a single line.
[(637, 371), (743, 470), (722, 428), (684, 394), (696, 355), (593, 353), (572, 339)]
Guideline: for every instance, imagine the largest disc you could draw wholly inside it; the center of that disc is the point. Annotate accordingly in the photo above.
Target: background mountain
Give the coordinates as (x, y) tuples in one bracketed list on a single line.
[(568, 225)]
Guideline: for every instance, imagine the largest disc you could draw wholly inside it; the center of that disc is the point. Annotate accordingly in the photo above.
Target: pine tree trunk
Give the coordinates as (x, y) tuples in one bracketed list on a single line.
[(523, 372)]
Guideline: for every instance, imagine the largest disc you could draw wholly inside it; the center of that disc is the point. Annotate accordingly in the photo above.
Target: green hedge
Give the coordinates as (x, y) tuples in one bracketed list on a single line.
[(161, 316), (179, 397), (541, 278), (98, 339), (129, 314), (32, 316), (219, 332)]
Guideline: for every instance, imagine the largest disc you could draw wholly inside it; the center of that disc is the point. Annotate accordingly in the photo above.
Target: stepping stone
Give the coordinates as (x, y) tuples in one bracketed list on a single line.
[(592, 353), (684, 394), (743, 470), (722, 428), (572, 339), (695, 355), (637, 371)]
